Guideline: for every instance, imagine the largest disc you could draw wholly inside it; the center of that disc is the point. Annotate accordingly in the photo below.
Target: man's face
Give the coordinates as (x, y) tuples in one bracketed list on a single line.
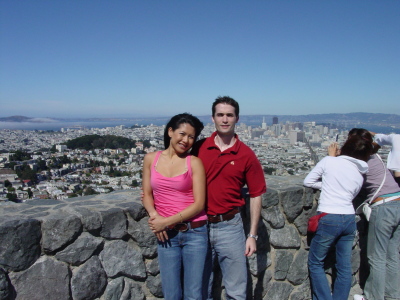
[(225, 119)]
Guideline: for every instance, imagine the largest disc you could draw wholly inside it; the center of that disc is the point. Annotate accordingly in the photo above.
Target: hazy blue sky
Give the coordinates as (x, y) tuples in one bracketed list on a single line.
[(125, 58)]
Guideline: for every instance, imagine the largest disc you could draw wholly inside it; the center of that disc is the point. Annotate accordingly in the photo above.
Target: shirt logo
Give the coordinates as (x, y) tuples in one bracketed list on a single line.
[(232, 163)]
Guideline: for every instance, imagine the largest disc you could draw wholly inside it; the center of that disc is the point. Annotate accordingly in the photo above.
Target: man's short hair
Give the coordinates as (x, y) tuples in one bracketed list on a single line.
[(226, 100)]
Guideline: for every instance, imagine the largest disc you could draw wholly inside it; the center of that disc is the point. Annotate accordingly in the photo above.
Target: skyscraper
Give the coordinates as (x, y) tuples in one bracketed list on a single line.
[(275, 120), (263, 124)]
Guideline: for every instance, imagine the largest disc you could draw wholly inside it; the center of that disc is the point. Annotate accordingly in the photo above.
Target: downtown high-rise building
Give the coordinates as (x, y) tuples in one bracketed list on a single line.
[(263, 124)]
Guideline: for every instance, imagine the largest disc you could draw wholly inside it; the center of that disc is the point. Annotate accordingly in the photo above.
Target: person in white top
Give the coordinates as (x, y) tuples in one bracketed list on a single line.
[(339, 179), (393, 161)]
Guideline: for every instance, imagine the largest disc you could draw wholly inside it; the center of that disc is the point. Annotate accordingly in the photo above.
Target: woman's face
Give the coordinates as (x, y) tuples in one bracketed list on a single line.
[(182, 138)]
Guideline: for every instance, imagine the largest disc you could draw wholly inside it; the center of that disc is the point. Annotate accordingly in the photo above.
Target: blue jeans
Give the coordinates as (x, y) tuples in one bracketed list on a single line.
[(184, 252), (383, 252), (227, 244), (338, 231)]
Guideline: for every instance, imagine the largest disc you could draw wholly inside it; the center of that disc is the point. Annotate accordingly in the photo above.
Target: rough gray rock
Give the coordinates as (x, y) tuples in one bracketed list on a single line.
[(46, 279), (35, 279), (91, 219), (273, 216), (292, 202), (286, 237), (132, 291), (145, 238), (81, 250), (355, 260), (135, 210), (308, 199), (283, 260), (152, 267), (278, 291), (19, 244), (302, 292), (120, 258), (114, 289), (261, 286), (301, 221), (270, 198), (259, 262), (59, 230), (153, 283), (298, 271), (88, 281), (5, 290), (114, 224)]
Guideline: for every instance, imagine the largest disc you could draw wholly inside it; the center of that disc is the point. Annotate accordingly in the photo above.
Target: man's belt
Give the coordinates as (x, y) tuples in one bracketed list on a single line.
[(185, 226), (223, 217)]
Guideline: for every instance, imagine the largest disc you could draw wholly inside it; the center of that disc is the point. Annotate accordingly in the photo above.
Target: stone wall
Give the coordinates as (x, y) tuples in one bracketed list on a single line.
[(100, 247)]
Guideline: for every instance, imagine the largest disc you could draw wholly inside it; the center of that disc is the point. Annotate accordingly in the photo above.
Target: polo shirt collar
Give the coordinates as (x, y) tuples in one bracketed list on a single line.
[(211, 144)]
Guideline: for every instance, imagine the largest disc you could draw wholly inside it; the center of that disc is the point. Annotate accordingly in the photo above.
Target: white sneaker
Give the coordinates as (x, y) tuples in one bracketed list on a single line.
[(359, 297)]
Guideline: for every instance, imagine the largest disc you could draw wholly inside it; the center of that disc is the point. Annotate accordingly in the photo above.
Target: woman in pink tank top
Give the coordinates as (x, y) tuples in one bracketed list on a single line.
[(174, 187)]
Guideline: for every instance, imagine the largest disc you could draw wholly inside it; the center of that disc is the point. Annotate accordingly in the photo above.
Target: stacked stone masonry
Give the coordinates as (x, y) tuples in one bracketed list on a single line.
[(100, 247)]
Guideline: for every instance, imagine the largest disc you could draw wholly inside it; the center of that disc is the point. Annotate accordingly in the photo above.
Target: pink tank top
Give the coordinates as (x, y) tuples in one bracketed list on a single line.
[(173, 194)]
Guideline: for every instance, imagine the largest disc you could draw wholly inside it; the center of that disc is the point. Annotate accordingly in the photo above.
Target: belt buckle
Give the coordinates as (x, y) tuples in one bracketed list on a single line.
[(181, 227)]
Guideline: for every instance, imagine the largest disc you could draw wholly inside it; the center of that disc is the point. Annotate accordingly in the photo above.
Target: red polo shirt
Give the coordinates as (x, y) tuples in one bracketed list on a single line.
[(227, 172)]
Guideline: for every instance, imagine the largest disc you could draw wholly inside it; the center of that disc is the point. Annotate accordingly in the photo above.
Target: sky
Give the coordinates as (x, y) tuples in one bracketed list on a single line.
[(123, 58)]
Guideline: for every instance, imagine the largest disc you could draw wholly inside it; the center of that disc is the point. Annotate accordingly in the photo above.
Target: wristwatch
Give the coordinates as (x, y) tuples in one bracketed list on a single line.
[(252, 236)]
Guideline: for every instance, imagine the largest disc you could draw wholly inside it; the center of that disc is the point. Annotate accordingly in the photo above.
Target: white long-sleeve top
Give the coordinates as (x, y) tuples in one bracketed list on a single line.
[(393, 160), (339, 179)]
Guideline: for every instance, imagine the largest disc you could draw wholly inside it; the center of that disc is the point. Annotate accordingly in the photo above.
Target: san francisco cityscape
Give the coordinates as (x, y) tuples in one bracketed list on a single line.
[(38, 164)]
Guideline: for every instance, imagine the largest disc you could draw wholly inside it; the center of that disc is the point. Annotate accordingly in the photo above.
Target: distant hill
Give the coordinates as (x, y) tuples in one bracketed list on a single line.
[(21, 119), (358, 119), (346, 120), (15, 119)]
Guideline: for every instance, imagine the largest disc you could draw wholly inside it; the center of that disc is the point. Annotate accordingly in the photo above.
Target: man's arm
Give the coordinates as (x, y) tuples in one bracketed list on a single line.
[(255, 212)]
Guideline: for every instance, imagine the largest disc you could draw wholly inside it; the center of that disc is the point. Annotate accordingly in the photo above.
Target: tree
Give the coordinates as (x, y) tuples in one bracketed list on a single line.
[(20, 155), (90, 191), (12, 197), (41, 165), (7, 183), (269, 170), (146, 144), (26, 173), (53, 149)]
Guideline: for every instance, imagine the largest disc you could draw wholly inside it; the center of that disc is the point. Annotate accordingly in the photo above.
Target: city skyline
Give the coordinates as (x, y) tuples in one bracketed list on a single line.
[(124, 59)]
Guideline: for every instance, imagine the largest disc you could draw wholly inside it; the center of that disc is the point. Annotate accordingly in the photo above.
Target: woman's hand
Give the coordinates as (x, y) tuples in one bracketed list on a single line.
[(157, 223), (162, 236), (333, 149)]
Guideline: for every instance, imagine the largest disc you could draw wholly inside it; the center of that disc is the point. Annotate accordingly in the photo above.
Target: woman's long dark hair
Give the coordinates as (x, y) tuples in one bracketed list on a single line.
[(179, 119), (358, 144)]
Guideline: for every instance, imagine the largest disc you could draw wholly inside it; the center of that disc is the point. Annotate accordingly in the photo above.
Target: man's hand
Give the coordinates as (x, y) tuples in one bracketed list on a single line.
[(141, 193), (251, 246)]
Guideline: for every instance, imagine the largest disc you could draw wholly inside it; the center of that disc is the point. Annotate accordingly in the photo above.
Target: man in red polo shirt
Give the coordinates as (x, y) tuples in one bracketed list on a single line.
[(230, 165)]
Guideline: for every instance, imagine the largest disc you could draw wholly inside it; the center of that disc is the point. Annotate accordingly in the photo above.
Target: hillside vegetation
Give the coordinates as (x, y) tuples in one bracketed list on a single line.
[(95, 141)]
